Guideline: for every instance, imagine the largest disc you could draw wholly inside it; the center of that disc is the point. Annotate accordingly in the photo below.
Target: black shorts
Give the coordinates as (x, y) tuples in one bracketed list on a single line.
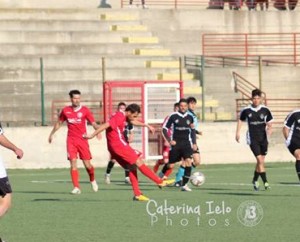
[(4, 186), (180, 152), (259, 147), (292, 147)]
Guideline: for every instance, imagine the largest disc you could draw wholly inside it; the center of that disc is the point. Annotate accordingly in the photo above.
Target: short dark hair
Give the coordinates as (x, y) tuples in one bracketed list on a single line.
[(121, 104), (256, 92), (191, 100), (74, 92), (182, 100), (133, 108), (176, 105)]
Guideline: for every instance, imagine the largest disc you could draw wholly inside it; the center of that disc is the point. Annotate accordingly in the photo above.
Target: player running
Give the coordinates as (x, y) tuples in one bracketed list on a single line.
[(5, 188), (182, 141), (259, 119), (291, 133), (123, 153), (77, 117), (128, 135)]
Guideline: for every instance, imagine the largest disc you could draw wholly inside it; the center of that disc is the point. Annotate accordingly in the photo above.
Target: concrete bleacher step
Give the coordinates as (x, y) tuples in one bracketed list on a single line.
[(140, 40), (65, 61), (212, 103), (119, 17), (192, 90), (162, 64), (131, 27), (67, 36), (41, 49), (174, 76), (152, 52)]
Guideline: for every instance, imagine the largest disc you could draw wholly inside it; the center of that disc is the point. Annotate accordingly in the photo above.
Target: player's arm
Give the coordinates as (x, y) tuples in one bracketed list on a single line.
[(165, 131), (238, 130), (56, 126), (269, 128), (9, 145), (141, 124), (193, 136), (101, 128), (285, 132)]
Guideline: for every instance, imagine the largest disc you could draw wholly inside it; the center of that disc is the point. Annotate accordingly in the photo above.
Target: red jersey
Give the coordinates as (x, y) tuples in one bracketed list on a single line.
[(115, 133), (76, 120)]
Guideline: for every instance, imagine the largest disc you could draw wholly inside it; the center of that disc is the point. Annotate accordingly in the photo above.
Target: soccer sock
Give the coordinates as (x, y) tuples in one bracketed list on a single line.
[(298, 168), (186, 176), (75, 177), (256, 175), (134, 182), (91, 172), (110, 165), (180, 173), (157, 164), (126, 172), (165, 168), (193, 165), (150, 174), (263, 176), (168, 172)]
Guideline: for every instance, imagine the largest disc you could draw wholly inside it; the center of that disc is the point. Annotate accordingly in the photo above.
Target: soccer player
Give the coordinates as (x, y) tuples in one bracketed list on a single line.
[(76, 117), (123, 153), (182, 141), (5, 188), (196, 155), (166, 145), (128, 135), (259, 119), (291, 133)]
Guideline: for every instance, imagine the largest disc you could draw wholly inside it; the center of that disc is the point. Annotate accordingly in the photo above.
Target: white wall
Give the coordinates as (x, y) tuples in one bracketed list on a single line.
[(217, 145)]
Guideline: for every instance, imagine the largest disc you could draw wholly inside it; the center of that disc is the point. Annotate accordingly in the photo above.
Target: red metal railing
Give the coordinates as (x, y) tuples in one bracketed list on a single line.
[(94, 105), (284, 47)]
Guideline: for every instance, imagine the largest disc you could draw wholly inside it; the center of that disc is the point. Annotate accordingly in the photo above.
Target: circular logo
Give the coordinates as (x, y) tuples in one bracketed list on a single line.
[(250, 213)]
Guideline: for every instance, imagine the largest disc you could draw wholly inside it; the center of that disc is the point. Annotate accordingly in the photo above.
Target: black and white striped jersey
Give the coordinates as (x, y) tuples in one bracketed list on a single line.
[(292, 122)]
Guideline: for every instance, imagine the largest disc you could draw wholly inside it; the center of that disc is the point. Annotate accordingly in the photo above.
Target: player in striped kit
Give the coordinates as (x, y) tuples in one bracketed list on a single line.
[(291, 133)]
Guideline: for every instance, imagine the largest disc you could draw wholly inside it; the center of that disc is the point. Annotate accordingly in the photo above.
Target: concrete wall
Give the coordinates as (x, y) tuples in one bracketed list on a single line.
[(217, 145)]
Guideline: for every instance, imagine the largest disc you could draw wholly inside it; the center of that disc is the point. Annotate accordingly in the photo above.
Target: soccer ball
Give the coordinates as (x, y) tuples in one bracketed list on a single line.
[(197, 179)]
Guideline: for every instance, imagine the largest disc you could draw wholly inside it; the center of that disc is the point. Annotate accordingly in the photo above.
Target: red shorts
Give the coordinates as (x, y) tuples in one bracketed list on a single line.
[(124, 154), (79, 146)]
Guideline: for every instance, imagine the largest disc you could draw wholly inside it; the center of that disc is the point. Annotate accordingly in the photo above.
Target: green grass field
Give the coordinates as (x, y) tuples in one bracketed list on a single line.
[(43, 210)]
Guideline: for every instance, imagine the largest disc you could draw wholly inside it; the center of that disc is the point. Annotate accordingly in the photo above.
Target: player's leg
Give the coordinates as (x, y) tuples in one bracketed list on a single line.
[(109, 167), (85, 156), (187, 154), (297, 165), (5, 195), (5, 204), (164, 160), (72, 157), (127, 177), (255, 148)]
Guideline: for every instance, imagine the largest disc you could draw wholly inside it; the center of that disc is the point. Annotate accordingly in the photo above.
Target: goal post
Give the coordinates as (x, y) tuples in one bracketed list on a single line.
[(156, 99)]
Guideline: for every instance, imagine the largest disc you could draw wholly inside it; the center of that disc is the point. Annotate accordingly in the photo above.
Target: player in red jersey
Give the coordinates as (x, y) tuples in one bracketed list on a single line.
[(76, 117), (123, 153)]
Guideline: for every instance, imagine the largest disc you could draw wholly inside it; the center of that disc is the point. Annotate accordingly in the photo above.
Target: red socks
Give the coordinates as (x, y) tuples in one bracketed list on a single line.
[(75, 177), (91, 172), (134, 183), (150, 174)]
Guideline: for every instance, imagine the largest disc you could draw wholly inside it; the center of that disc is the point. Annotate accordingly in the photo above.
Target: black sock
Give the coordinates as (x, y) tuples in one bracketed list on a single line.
[(298, 168), (110, 165), (165, 168), (193, 165), (256, 175), (263, 176), (186, 176), (126, 172)]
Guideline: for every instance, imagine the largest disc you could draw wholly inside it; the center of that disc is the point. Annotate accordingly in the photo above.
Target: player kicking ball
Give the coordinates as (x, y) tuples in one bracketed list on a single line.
[(259, 119), (123, 153)]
